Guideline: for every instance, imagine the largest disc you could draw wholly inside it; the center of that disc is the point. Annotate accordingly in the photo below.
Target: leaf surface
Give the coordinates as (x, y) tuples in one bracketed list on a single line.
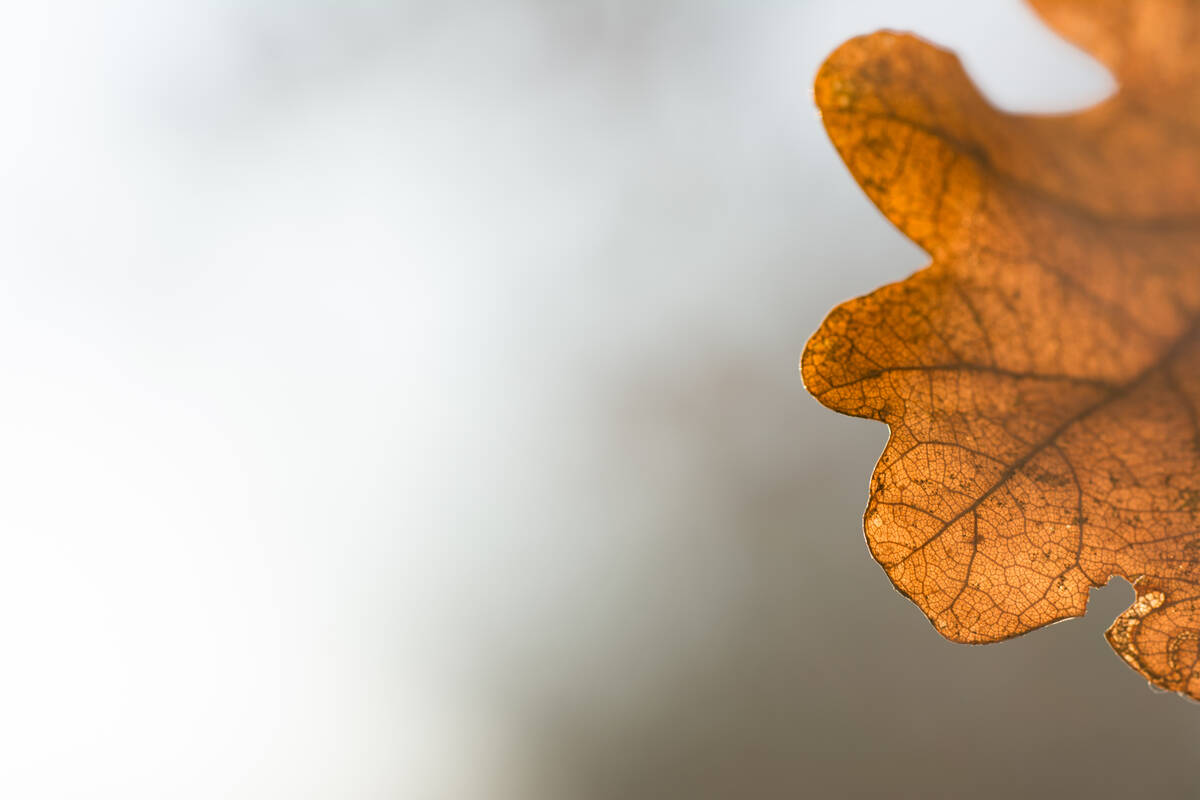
[(1041, 378)]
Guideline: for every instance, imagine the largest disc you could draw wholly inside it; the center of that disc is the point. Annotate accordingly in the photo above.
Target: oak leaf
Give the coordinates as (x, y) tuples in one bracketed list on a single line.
[(1041, 378)]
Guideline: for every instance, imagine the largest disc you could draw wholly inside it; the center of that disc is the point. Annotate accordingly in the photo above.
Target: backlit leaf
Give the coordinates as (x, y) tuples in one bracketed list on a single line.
[(1041, 378)]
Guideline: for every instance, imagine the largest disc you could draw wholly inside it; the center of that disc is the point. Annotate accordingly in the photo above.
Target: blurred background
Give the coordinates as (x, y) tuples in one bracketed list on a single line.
[(400, 400)]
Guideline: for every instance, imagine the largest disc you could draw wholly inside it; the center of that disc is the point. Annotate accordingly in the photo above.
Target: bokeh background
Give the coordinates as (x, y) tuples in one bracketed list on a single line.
[(400, 400)]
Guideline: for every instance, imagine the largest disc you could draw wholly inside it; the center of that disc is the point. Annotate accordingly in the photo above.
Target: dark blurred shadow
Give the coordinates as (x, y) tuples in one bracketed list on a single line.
[(823, 681)]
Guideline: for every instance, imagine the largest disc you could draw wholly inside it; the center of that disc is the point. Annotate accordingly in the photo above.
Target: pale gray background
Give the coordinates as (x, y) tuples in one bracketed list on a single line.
[(400, 401)]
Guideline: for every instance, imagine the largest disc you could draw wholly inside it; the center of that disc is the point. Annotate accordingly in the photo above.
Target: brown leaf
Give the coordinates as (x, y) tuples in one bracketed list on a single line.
[(1041, 378)]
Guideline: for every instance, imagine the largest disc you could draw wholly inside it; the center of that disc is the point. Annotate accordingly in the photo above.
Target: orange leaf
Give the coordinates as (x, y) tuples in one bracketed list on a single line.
[(1041, 378)]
